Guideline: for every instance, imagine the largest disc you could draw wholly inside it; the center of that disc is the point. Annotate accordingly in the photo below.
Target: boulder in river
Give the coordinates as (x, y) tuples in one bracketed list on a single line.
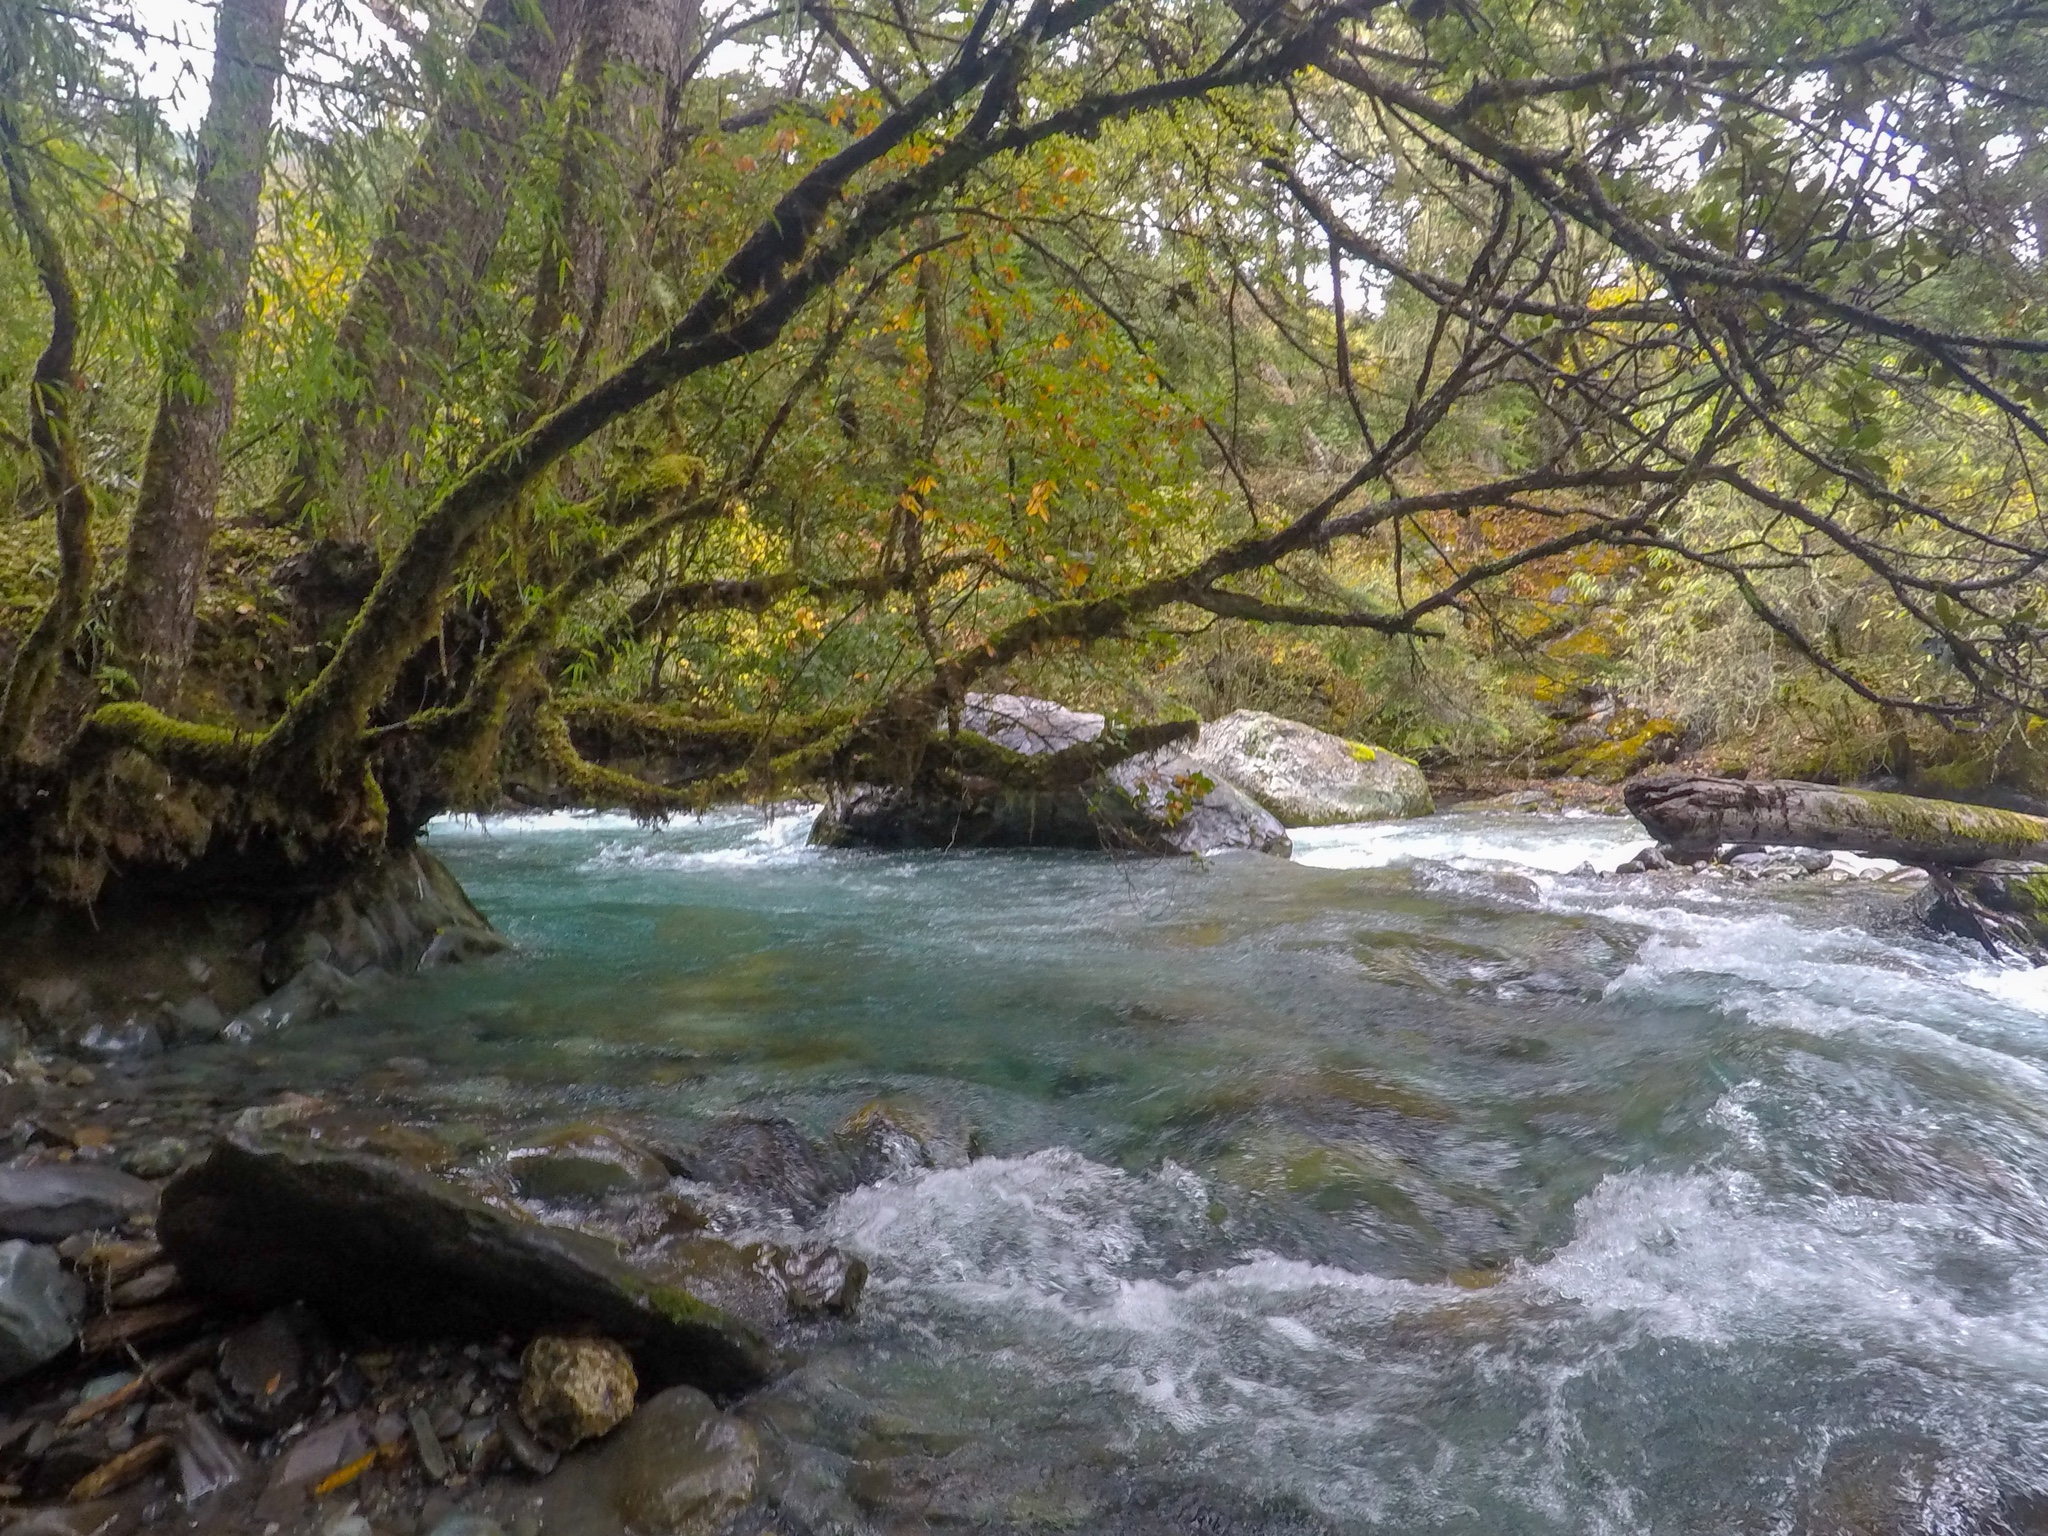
[(981, 814), (40, 1304), (1200, 813), (403, 1253), (1307, 777)]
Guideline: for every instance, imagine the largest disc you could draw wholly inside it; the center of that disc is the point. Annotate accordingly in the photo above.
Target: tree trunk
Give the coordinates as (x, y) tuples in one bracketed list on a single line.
[(51, 390), (630, 64), (156, 609), (407, 312), (1700, 813)]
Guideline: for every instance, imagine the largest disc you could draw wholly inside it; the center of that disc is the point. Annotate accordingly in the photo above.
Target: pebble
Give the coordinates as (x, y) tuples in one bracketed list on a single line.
[(427, 1444)]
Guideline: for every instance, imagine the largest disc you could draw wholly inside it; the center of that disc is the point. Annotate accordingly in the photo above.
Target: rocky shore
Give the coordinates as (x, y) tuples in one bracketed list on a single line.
[(299, 1317)]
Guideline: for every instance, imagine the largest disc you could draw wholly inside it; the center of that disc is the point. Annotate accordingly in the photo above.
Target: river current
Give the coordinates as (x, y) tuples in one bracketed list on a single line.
[(1417, 1184)]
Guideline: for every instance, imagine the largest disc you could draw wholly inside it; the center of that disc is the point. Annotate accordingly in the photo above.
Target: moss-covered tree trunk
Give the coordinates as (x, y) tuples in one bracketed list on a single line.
[(158, 602), (1701, 813), (52, 389)]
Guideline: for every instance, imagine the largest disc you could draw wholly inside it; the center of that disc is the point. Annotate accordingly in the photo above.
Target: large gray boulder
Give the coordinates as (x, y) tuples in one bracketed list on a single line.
[(1307, 777), (40, 1304), (1027, 725), (372, 1241), (1199, 812)]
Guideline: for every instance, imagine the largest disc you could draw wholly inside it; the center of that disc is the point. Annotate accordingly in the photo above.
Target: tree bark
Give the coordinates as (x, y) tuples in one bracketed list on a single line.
[(407, 311), (156, 609), (1701, 813), (630, 64), (34, 670)]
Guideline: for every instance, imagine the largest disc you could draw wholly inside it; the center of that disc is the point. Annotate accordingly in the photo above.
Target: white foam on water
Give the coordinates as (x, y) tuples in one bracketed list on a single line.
[(1556, 843), (1324, 1368), (530, 824), (739, 839)]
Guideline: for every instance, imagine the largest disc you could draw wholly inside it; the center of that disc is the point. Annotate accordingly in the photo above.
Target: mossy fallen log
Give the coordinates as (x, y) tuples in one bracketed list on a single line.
[(1696, 813)]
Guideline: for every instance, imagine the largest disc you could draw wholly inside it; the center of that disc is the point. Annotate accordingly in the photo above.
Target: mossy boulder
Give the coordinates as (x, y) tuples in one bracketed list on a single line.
[(1306, 777)]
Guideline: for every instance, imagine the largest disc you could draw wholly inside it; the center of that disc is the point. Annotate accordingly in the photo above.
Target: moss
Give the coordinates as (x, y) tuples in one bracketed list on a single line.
[(1361, 752), (1909, 818), (211, 753)]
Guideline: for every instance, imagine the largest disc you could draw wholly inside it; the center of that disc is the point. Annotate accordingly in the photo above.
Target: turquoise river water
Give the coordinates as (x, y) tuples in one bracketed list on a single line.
[(1414, 1185)]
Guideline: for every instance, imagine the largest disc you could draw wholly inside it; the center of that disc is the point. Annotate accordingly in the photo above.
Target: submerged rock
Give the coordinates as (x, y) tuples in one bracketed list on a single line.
[(679, 1467), (40, 1305), (51, 1201), (315, 992), (1307, 777), (573, 1390), (583, 1162), (403, 1253), (771, 1162)]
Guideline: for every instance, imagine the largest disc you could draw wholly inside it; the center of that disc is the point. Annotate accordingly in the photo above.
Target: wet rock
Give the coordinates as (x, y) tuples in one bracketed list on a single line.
[(157, 1158), (770, 1161), (404, 1253), (314, 992), (1198, 811), (583, 1162), (40, 1305), (678, 1468), (208, 1461), (426, 1444), (880, 1139), (197, 1019), (524, 1448), (130, 1040), (575, 1389), (768, 1284), (477, 1444), (48, 1201), (1027, 725), (1307, 777), (270, 1371), (819, 1279), (386, 919)]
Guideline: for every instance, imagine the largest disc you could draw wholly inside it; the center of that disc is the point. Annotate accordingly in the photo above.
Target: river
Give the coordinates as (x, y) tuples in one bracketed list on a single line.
[(1418, 1184)]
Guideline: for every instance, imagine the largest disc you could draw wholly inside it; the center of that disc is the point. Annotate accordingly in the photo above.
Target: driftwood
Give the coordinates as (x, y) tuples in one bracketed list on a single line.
[(1699, 814)]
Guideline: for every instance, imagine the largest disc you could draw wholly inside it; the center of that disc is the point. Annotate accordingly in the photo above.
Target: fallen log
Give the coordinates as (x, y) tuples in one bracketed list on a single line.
[(1696, 813)]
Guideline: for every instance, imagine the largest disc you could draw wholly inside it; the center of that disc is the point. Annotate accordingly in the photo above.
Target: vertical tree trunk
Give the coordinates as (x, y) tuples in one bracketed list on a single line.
[(34, 670), (630, 64), (406, 314), (155, 611)]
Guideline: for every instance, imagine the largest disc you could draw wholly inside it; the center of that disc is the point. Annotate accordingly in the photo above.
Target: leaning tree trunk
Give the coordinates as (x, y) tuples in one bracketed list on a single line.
[(158, 603), (407, 311), (51, 390), (1700, 813)]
